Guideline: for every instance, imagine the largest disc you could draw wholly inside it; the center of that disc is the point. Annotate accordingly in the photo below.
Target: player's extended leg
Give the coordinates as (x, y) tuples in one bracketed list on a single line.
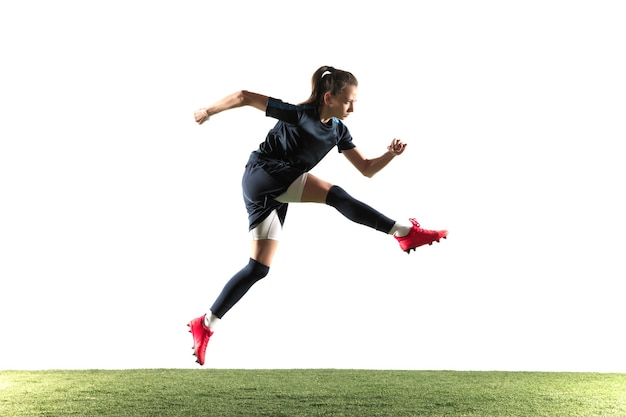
[(320, 191), (409, 236)]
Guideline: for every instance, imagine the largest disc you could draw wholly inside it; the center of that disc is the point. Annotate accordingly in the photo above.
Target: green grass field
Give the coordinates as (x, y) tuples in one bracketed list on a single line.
[(309, 392)]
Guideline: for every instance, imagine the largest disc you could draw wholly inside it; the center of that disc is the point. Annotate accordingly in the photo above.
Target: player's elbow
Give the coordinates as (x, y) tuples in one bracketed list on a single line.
[(368, 172), (367, 169), (241, 97), (248, 98)]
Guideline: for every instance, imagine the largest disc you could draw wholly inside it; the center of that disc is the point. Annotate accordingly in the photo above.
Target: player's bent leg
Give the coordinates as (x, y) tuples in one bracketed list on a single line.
[(263, 248), (232, 292)]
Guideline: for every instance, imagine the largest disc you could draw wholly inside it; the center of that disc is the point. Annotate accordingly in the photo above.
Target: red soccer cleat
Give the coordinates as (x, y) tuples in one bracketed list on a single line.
[(201, 335), (418, 237)]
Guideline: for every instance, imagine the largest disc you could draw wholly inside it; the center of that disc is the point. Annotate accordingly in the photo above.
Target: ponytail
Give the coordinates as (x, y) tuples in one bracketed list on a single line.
[(329, 80)]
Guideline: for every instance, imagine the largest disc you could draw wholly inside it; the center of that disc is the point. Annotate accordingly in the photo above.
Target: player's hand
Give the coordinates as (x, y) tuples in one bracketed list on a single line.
[(201, 116), (396, 147)]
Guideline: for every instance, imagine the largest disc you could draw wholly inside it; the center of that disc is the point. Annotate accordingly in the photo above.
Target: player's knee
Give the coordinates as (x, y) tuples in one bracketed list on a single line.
[(336, 195), (257, 270), (315, 190)]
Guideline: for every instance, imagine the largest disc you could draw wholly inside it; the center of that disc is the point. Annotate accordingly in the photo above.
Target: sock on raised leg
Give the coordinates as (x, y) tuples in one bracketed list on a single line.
[(401, 229)]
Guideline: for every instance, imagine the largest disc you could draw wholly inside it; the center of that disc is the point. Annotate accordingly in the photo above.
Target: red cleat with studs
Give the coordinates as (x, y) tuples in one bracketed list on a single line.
[(418, 237), (201, 335)]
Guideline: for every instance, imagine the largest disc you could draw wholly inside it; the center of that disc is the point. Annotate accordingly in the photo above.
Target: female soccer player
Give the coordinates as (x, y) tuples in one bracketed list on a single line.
[(277, 173)]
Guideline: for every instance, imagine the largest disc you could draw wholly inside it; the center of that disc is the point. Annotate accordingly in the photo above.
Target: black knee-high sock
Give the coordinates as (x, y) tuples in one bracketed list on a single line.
[(237, 286), (357, 211)]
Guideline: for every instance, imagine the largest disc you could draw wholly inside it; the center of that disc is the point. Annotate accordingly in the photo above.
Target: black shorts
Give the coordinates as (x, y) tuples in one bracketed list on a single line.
[(264, 180)]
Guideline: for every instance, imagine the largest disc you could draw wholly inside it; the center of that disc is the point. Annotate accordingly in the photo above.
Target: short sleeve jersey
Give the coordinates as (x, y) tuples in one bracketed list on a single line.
[(300, 138)]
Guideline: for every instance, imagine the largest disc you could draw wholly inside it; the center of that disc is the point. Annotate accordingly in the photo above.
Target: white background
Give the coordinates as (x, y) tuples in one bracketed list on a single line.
[(121, 219)]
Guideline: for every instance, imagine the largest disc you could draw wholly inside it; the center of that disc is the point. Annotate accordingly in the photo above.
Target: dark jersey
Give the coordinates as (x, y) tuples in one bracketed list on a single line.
[(297, 143), (300, 138)]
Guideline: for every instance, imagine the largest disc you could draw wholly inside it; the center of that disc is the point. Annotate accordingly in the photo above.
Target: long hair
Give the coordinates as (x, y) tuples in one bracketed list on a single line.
[(328, 79)]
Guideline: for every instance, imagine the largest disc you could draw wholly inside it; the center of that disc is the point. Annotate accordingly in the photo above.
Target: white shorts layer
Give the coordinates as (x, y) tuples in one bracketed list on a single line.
[(270, 228)]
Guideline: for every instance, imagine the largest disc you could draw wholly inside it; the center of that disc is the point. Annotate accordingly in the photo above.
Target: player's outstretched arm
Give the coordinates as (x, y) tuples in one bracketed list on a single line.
[(369, 167), (238, 99)]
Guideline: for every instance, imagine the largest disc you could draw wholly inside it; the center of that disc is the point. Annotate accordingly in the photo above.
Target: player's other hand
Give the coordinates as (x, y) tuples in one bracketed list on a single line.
[(396, 147), (201, 116)]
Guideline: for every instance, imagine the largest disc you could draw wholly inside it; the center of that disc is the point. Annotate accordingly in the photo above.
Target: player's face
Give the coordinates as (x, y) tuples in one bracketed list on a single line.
[(342, 104)]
